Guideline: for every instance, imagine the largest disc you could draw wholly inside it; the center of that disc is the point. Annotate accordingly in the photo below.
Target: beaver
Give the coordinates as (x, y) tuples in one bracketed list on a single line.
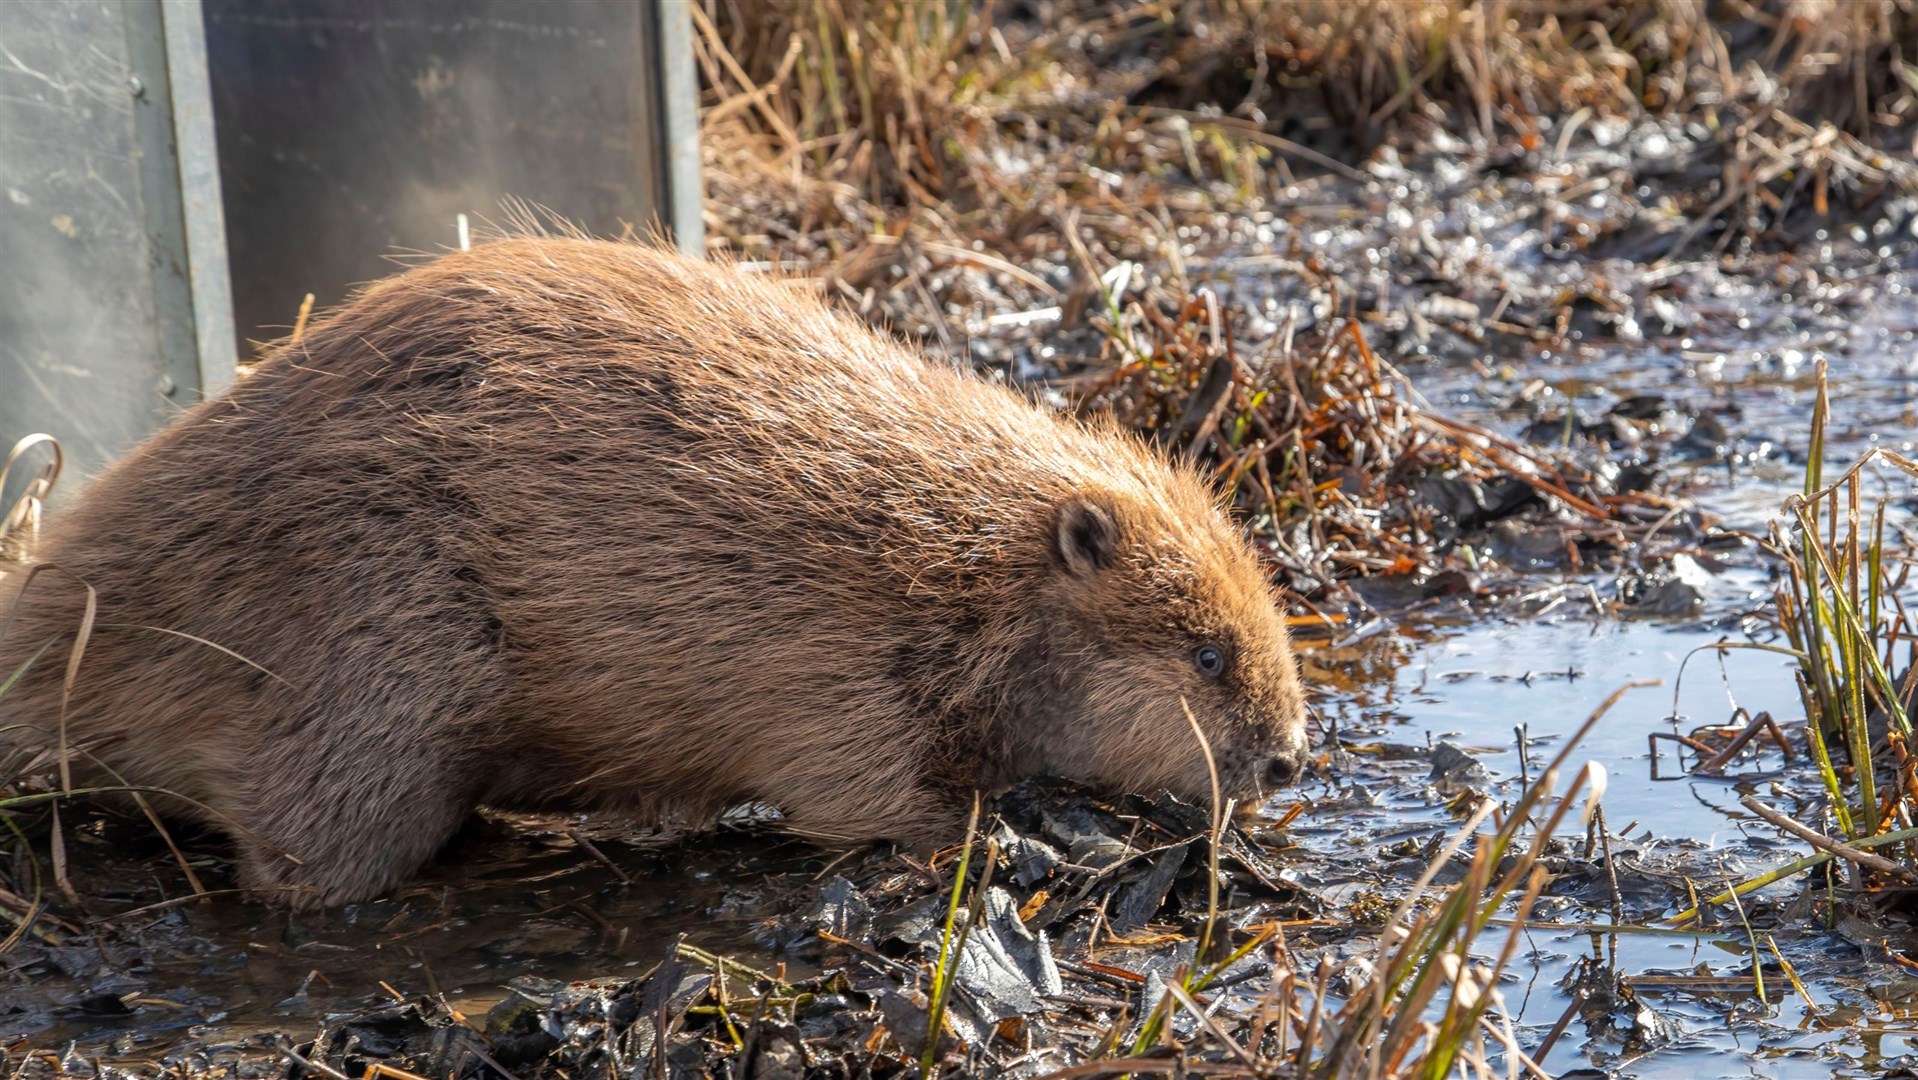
[(567, 524)]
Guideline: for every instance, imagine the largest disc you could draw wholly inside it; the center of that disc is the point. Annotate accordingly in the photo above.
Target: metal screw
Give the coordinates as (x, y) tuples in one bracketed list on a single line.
[(168, 386), (136, 87)]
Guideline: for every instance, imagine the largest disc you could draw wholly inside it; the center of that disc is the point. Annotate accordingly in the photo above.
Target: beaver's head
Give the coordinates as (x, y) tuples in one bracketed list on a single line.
[(1157, 607)]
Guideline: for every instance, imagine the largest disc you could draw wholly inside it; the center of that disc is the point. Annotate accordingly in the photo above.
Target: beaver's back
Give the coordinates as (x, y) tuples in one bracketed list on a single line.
[(802, 511)]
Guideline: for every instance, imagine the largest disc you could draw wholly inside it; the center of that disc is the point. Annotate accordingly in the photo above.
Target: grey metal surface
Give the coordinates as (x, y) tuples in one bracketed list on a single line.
[(96, 320), (351, 131)]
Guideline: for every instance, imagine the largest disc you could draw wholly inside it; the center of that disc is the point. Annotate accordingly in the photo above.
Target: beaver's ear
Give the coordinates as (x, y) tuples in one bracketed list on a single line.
[(1085, 535)]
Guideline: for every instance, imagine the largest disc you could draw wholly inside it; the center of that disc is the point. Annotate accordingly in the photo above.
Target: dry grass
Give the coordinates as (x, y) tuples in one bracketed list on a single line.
[(863, 112), (1500, 68), (857, 92)]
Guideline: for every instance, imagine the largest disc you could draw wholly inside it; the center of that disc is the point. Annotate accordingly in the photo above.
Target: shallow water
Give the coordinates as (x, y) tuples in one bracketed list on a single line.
[(1472, 686), (1472, 682)]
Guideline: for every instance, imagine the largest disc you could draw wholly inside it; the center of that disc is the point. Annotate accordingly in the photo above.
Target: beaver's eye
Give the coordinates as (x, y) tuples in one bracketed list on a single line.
[(1209, 660)]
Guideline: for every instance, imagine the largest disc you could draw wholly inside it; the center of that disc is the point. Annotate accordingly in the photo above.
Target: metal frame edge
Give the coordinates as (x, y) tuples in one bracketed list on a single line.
[(197, 153), (679, 120)]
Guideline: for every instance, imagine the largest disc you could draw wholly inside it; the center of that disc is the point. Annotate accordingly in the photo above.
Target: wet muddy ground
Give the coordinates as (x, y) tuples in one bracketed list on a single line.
[(1700, 371)]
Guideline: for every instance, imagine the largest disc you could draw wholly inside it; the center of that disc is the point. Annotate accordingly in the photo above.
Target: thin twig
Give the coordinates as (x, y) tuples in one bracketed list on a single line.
[(1825, 843)]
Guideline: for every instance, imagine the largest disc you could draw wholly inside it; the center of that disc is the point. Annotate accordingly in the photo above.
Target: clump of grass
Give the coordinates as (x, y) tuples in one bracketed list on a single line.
[(866, 93), (1497, 67), (1840, 606)]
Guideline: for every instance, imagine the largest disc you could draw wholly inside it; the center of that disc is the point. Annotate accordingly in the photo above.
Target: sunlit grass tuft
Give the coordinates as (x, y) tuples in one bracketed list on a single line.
[(1844, 571), (1839, 605), (1426, 1002)]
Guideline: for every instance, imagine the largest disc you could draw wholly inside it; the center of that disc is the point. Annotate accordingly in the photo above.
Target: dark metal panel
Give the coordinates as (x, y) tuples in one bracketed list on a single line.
[(87, 253), (350, 131)]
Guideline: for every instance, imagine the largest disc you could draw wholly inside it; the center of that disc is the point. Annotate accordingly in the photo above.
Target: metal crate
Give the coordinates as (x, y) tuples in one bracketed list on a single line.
[(176, 175)]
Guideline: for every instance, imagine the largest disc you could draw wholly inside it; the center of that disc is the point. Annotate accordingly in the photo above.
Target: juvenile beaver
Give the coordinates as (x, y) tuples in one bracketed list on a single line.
[(559, 523)]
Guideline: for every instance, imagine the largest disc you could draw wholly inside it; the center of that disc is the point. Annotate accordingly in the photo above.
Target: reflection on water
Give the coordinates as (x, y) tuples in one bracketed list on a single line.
[(1473, 686), (510, 898)]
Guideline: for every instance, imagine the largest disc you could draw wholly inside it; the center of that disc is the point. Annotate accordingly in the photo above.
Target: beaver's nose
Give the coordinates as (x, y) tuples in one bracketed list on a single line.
[(1282, 770)]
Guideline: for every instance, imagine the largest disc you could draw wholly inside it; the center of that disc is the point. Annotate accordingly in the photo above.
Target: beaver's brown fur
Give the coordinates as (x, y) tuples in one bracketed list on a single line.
[(560, 523)]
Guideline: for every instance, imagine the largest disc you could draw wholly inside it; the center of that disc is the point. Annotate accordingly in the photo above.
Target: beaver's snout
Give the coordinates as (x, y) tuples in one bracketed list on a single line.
[(1285, 767)]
